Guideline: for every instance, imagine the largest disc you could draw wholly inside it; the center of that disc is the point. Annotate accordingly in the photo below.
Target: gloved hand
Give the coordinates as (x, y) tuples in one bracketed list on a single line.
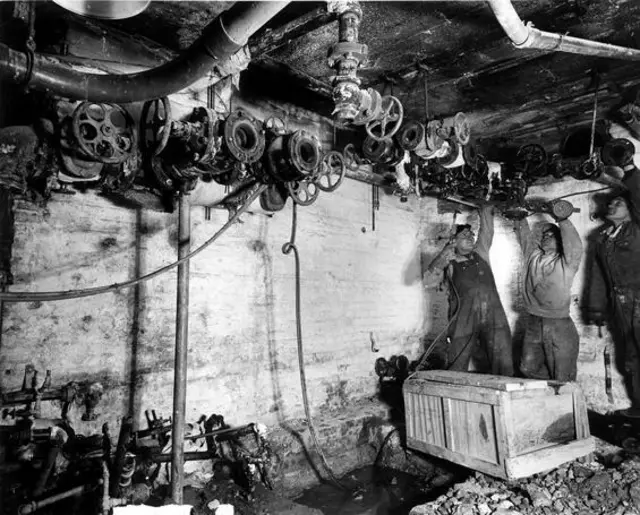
[(596, 317)]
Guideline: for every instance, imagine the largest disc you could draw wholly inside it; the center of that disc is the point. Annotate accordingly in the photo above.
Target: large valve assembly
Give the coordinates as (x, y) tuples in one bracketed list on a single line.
[(101, 143)]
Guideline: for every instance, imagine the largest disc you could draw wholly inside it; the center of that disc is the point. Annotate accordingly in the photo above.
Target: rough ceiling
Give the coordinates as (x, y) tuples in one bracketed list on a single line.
[(456, 50)]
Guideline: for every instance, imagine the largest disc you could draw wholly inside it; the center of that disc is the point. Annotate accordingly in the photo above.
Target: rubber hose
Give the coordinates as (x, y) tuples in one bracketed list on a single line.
[(287, 248)]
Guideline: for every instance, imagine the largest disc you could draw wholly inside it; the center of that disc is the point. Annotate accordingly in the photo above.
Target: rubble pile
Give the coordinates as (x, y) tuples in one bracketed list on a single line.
[(610, 485)]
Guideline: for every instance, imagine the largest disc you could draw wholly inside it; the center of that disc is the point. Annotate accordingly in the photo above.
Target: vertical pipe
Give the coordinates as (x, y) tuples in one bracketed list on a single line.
[(182, 333)]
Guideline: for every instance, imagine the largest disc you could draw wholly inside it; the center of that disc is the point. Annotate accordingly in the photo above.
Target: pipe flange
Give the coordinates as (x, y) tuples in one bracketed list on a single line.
[(378, 151), (347, 50), (410, 135), (370, 106), (618, 152), (454, 155), (79, 167), (243, 137), (304, 153), (461, 128), (434, 135), (207, 144)]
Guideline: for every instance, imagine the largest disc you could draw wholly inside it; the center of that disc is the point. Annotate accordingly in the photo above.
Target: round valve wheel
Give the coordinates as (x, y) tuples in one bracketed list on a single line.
[(155, 125), (461, 128), (351, 159), (275, 125), (331, 171), (303, 192), (243, 137), (533, 158), (392, 113), (104, 132)]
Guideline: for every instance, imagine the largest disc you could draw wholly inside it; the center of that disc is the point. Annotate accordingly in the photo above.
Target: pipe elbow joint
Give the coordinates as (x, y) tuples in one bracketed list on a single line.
[(217, 42)]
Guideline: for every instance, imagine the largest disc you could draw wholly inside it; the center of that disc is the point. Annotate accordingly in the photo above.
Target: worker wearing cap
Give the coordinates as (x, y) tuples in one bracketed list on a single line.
[(614, 293), (478, 324), (551, 341)]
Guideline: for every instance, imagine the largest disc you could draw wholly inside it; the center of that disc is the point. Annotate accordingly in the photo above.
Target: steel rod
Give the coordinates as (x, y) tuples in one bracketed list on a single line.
[(182, 339)]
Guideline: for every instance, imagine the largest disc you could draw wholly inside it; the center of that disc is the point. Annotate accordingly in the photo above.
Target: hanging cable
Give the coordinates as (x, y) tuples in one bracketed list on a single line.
[(595, 115), (88, 292), (287, 248)]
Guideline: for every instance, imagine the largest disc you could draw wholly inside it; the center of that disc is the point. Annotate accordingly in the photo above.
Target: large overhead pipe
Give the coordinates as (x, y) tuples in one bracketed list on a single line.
[(527, 36), (220, 39)]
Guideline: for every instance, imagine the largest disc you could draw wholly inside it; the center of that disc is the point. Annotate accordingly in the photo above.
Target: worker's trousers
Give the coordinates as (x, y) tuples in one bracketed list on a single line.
[(626, 314), (550, 349)]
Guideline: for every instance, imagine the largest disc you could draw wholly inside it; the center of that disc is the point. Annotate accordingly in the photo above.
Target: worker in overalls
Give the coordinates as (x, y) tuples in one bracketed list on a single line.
[(551, 342), (478, 324), (614, 293)]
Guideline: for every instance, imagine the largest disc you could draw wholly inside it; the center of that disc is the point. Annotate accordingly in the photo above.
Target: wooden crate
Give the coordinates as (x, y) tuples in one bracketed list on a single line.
[(503, 426)]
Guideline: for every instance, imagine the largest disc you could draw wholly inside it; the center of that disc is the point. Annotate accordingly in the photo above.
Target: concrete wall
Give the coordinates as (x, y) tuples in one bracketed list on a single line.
[(356, 284)]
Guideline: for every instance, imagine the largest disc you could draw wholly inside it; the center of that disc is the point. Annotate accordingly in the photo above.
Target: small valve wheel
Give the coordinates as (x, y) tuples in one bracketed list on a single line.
[(303, 192), (104, 132), (533, 158), (155, 125), (331, 171), (392, 113), (461, 128), (351, 160)]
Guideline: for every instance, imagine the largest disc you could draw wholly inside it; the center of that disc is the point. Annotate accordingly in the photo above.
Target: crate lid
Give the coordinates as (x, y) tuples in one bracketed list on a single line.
[(507, 384)]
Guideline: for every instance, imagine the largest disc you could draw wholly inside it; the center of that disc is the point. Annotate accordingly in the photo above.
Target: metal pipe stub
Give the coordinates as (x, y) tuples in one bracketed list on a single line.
[(244, 137), (410, 135), (293, 157)]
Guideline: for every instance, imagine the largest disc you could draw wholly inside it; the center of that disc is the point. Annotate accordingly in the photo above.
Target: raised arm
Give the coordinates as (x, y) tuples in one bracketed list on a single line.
[(433, 274), (571, 243), (485, 232), (523, 232)]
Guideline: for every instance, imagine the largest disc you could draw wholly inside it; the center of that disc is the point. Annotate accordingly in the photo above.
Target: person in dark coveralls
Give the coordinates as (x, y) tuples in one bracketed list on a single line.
[(479, 327), (614, 293), (551, 341)]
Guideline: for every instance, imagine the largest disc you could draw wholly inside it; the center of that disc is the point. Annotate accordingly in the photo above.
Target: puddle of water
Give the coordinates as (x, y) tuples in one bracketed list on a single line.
[(371, 491)]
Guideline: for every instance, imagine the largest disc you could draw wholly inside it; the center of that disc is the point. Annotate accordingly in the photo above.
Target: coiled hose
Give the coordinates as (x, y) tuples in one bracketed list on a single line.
[(287, 248)]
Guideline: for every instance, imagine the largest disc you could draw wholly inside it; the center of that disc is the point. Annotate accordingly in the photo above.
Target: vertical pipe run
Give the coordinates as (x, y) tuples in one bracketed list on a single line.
[(182, 335)]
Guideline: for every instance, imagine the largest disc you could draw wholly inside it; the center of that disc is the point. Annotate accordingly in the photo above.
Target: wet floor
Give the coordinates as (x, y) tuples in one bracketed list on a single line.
[(371, 490)]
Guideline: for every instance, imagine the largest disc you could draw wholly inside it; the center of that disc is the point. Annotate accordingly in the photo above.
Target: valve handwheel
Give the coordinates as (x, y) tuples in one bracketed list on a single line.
[(351, 157), (331, 171), (105, 132), (303, 193), (392, 112), (461, 128), (533, 157), (155, 125)]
